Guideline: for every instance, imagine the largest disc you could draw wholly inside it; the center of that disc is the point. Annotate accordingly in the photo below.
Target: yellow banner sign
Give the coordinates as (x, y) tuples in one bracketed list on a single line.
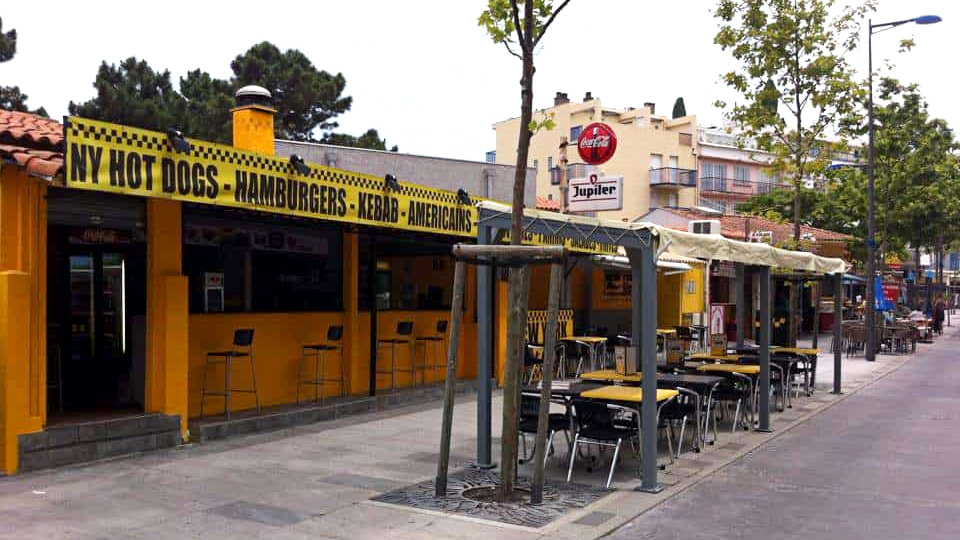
[(573, 244), (120, 159)]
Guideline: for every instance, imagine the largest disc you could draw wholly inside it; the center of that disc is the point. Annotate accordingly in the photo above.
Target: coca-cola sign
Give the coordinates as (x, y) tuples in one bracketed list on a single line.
[(597, 143)]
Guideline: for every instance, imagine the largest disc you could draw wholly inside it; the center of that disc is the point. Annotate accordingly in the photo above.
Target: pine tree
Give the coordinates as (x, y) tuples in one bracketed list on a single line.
[(679, 109)]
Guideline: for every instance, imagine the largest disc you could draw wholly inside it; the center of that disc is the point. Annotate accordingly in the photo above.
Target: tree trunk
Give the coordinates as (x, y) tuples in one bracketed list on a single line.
[(516, 294), (794, 319)]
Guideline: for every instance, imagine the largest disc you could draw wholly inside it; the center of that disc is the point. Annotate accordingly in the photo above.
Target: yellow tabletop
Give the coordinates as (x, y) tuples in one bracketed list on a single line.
[(793, 350), (585, 339), (632, 394), (730, 368), (730, 358), (610, 375), (666, 330)]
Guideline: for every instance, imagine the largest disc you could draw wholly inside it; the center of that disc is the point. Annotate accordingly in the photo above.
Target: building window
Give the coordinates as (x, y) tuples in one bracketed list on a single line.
[(536, 165), (575, 133), (244, 264), (713, 177), (741, 175), (673, 200), (491, 156), (550, 162), (411, 273)]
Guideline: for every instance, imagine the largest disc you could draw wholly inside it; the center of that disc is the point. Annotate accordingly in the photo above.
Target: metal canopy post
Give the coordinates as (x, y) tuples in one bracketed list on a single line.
[(738, 284), (763, 339), (644, 327), (484, 357), (837, 330)]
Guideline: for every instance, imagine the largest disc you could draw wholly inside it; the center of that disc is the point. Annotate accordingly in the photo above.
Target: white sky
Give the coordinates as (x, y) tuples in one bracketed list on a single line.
[(422, 72)]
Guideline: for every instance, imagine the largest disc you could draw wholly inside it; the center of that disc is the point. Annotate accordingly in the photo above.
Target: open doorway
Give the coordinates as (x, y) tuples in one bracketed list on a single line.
[(96, 323)]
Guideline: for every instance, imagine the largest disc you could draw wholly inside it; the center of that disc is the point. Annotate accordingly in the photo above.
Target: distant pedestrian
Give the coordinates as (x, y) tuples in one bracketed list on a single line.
[(939, 308)]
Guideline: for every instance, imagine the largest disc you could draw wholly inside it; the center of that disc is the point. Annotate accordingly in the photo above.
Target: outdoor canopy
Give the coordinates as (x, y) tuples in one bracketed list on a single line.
[(702, 246)]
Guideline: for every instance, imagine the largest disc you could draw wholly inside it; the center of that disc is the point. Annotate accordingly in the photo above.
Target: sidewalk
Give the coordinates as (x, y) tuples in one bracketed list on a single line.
[(316, 481)]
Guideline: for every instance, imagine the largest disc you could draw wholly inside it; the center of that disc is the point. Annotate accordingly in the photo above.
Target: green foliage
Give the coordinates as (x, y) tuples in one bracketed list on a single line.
[(370, 139), (501, 20), (795, 84), (8, 43), (133, 93), (305, 98), (679, 109), (11, 98)]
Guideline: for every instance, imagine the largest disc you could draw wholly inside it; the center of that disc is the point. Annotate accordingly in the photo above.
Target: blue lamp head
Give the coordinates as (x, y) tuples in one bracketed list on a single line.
[(927, 19)]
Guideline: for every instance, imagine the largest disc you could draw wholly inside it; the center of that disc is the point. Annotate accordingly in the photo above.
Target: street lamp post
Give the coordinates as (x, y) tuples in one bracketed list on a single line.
[(871, 304)]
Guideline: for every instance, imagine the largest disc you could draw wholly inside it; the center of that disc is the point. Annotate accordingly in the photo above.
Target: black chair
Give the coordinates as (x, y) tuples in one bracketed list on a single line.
[(595, 426), (242, 349), (737, 389), (687, 406), (530, 417), (438, 340), (404, 331), (318, 352)]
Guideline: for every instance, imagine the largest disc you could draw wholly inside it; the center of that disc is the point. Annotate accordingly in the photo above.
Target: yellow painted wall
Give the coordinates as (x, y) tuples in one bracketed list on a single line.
[(632, 159), (168, 332), (23, 229)]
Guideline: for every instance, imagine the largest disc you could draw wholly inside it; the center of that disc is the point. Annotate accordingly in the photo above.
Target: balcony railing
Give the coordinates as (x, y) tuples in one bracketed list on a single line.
[(672, 176), (715, 185)]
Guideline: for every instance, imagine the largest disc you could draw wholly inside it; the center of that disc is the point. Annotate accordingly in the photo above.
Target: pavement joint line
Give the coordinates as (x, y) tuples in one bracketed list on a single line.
[(460, 517), (710, 471)]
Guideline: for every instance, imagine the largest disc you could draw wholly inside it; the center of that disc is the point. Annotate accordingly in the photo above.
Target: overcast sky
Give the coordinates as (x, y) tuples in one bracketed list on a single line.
[(422, 72)]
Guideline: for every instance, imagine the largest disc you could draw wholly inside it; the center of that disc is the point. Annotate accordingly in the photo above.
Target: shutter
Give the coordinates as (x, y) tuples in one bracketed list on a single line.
[(78, 208)]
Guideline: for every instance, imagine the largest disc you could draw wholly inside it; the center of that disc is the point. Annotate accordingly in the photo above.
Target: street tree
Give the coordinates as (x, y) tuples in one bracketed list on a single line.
[(679, 109), (11, 97), (370, 139), (518, 25), (134, 94), (793, 82), (305, 97)]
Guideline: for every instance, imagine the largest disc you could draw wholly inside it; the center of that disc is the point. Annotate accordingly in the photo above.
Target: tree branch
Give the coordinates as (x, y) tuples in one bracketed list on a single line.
[(550, 21), (509, 50), (515, 9)]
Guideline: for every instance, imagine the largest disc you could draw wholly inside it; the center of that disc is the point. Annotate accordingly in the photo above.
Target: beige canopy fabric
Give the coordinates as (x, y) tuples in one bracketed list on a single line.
[(702, 246)]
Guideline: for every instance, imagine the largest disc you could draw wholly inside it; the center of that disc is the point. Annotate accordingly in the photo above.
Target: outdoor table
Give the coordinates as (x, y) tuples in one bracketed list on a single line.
[(726, 358), (632, 397), (592, 344), (750, 370), (810, 355)]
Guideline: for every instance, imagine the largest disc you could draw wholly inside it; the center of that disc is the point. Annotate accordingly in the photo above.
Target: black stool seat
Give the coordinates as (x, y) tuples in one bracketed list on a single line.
[(321, 347), (429, 338), (393, 340), (232, 354)]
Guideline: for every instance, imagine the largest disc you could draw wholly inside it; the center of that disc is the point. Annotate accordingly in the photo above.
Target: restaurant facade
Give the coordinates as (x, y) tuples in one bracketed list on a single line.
[(128, 256)]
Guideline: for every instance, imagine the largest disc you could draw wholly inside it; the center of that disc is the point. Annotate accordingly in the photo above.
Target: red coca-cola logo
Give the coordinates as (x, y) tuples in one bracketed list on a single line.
[(597, 144)]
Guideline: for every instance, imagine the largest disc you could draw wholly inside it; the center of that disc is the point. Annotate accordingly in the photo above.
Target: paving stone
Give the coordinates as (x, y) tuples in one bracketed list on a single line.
[(595, 518), (734, 447), (371, 483), (685, 472), (258, 513)]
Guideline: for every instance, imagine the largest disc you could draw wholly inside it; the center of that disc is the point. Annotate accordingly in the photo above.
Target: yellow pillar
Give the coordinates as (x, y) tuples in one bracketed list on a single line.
[(167, 313), (355, 345), (23, 227)]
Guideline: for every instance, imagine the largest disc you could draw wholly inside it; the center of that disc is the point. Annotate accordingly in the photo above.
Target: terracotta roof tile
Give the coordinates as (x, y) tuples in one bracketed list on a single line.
[(544, 203), (735, 227), (32, 142)]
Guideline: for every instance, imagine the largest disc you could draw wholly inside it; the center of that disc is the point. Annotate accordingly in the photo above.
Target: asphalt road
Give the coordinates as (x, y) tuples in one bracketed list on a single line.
[(882, 464)]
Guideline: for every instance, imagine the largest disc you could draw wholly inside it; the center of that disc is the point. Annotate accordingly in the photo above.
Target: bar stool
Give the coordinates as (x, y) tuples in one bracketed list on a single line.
[(242, 349), (438, 341), (318, 352), (404, 330)]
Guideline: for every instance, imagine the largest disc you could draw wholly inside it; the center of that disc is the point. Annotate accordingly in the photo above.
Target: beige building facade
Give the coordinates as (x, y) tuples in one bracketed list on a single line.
[(656, 155)]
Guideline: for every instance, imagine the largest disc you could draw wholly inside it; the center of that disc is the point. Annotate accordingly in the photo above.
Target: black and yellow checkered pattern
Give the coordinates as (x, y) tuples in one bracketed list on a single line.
[(130, 137)]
